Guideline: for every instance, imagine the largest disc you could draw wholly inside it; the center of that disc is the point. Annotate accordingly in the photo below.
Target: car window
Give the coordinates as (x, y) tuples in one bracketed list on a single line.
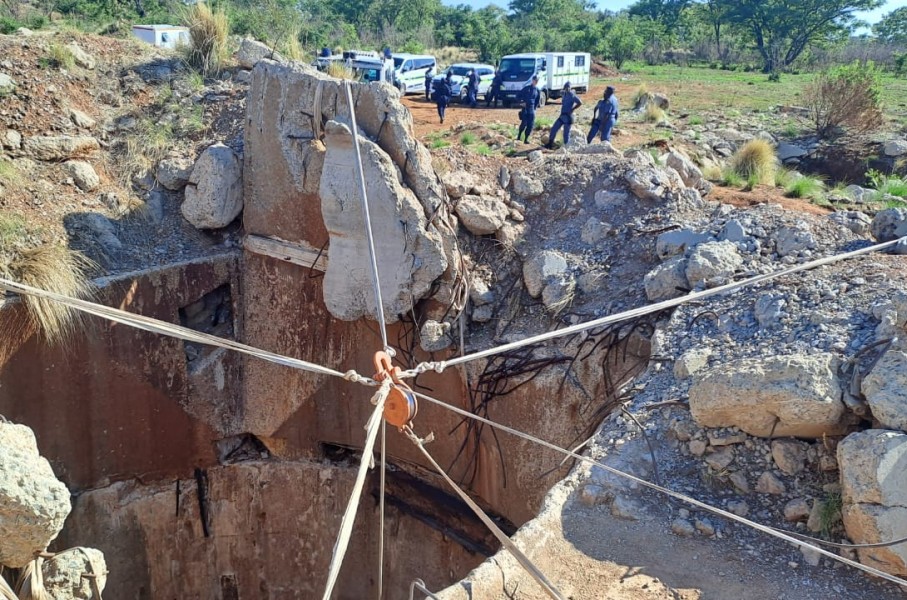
[(408, 65), (580, 61), (543, 63), (487, 71)]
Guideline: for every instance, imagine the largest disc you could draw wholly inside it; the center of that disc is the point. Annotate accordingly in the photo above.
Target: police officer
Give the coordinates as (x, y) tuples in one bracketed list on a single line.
[(495, 91), (429, 75), (604, 116), (472, 89), (443, 93), (531, 101), (569, 103)]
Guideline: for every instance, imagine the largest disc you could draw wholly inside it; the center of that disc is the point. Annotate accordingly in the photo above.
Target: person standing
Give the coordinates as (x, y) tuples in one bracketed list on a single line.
[(604, 117), (495, 89), (472, 89), (429, 75), (569, 103), (443, 93), (531, 101)]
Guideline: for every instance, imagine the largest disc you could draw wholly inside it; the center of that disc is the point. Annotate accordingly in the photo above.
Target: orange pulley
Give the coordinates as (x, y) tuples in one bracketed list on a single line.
[(401, 407)]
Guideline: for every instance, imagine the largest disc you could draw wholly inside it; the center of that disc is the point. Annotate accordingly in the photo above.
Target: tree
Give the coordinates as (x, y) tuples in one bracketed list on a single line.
[(488, 32), (783, 29), (666, 12), (715, 13), (847, 97), (893, 27), (623, 41)]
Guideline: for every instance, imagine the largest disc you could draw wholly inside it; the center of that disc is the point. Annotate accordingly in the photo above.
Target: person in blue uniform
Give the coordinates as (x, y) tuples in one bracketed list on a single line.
[(531, 100), (569, 103), (495, 91), (429, 75), (442, 94), (472, 89), (604, 116)]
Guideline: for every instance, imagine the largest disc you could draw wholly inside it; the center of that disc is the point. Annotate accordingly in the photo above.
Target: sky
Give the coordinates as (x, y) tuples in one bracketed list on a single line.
[(870, 16)]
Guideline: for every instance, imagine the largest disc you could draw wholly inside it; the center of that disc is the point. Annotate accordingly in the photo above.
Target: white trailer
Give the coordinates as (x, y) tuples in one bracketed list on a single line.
[(553, 69), (162, 36)]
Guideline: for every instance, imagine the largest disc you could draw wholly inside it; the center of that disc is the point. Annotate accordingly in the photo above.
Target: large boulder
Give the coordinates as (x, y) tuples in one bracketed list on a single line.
[(410, 256), (889, 224), (251, 51), (482, 215), (60, 147), (526, 186), (667, 280), (678, 241), (84, 175), (787, 151), (65, 574), (793, 240), (885, 388), (873, 466), (174, 173), (895, 148), (7, 84), (781, 396), (857, 222), (712, 263), (649, 182), (33, 502), (688, 171), (214, 194), (542, 269), (82, 58)]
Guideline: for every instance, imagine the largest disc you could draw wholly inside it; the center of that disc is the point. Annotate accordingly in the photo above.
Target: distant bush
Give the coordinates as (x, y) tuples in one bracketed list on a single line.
[(755, 161), (208, 30), (847, 97)]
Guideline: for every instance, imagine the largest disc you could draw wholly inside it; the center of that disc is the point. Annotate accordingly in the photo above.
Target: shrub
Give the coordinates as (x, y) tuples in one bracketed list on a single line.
[(654, 114), (847, 97), (468, 138), (340, 71), (483, 150), (695, 120), (59, 57), (208, 30), (756, 159), (804, 187)]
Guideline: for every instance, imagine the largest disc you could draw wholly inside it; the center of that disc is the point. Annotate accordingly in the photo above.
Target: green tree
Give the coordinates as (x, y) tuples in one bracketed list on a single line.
[(893, 27), (488, 32), (622, 42), (666, 12), (782, 29)]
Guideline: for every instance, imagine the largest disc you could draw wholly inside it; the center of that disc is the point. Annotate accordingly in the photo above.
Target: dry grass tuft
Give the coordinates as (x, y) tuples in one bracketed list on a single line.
[(654, 114), (449, 55), (340, 71), (641, 92), (208, 31), (756, 161), (56, 269), (292, 49), (60, 57)]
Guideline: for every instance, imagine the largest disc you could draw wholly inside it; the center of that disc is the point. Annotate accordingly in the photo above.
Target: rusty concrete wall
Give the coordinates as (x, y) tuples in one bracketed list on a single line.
[(271, 527), (117, 403)]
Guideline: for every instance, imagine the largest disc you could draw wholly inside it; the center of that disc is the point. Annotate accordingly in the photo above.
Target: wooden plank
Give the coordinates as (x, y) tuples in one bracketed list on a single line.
[(296, 253)]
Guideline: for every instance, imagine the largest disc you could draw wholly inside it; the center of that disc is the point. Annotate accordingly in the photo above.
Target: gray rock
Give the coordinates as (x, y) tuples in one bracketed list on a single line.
[(769, 308), (512, 235), (683, 528), (155, 204), (483, 314), (457, 183), (242, 77), (7, 84), (688, 171), (33, 503), (105, 232), (607, 200), (594, 231), (251, 51), (651, 183), (83, 174), (64, 574), (481, 215), (768, 483), (525, 186), (857, 222), (740, 482), (733, 231), (82, 58), (692, 361), (789, 455), (536, 157), (889, 224), (720, 459), (885, 387), (397, 217), (504, 177), (797, 509), (783, 396), (858, 194), (697, 447), (793, 240), (435, 336), (62, 147), (787, 151), (895, 148), (558, 293), (705, 527), (874, 493), (11, 139), (713, 262), (24, 32), (80, 119), (479, 292), (667, 280), (174, 173), (214, 195), (626, 509), (541, 269), (678, 241), (592, 494), (738, 507)]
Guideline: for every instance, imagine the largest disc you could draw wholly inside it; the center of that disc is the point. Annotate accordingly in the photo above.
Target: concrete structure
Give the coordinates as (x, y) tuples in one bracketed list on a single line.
[(162, 36)]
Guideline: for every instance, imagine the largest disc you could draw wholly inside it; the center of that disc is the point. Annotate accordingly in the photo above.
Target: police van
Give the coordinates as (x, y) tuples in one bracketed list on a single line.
[(366, 66), (410, 70), (460, 76), (553, 69)]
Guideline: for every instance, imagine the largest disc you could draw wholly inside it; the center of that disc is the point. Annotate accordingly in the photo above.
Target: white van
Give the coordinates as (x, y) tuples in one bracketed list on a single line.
[(366, 66), (554, 69), (410, 70)]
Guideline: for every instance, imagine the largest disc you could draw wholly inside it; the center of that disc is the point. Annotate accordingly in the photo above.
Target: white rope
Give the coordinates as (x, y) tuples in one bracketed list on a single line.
[(376, 280), (349, 515), (682, 497), (502, 537), (169, 329), (381, 509), (645, 310)]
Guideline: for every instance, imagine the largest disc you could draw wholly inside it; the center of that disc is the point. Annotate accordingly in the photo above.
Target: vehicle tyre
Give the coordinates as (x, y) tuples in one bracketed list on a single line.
[(544, 98), (463, 95), (402, 88)]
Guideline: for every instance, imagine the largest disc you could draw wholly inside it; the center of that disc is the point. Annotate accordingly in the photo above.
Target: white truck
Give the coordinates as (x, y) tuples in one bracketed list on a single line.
[(366, 66), (554, 69)]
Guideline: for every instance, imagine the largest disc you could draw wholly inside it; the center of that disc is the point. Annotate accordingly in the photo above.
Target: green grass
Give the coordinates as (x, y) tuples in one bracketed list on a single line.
[(196, 80), (58, 57), (784, 178), (194, 121), (483, 150), (830, 514), (543, 122), (696, 120), (730, 178), (438, 143), (8, 172), (894, 186), (790, 129), (805, 187), (13, 228), (468, 138)]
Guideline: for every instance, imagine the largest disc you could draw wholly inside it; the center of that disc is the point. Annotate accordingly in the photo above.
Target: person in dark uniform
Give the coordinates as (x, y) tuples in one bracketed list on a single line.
[(604, 117), (472, 89), (429, 75), (531, 101), (443, 94), (495, 91), (569, 103)]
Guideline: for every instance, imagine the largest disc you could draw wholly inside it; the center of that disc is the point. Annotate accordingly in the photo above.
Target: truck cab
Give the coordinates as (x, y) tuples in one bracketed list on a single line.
[(553, 69)]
